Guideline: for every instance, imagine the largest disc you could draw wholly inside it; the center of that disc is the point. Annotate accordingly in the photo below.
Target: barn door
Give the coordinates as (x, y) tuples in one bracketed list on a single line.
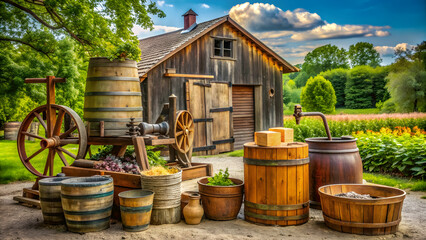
[(198, 105), (243, 115), (221, 112)]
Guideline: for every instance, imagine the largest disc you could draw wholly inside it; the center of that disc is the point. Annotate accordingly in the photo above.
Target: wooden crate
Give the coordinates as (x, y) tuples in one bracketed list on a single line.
[(267, 138), (126, 181), (287, 134)]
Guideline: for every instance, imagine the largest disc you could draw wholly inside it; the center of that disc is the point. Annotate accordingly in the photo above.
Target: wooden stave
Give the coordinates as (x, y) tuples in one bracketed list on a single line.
[(87, 205), (370, 222), (50, 200), (298, 216), (11, 130)]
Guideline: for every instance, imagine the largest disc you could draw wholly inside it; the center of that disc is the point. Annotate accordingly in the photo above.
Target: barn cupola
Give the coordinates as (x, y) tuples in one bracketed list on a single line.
[(190, 19)]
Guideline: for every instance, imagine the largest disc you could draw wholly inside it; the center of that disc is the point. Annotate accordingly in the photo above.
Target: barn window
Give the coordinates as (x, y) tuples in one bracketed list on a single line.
[(223, 48)]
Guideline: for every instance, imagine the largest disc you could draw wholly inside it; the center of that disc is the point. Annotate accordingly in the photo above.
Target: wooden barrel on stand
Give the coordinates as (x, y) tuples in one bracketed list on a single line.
[(11, 130), (50, 200), (332, 162), (112, 96), (166, 206), (276, 184), (87, 203)]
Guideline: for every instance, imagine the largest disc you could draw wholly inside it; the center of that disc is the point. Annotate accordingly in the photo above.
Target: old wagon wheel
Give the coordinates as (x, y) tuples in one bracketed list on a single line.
[(52, 140), (184, 131)]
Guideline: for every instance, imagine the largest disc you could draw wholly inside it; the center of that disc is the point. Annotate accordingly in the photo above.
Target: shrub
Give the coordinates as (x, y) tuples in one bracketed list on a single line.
[(359, 88), (398, 151), (318, 95), (338, 78)]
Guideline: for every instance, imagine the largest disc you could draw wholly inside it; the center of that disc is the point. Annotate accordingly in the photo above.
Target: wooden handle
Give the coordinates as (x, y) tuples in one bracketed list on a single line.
[(85, 163), (44, 80)]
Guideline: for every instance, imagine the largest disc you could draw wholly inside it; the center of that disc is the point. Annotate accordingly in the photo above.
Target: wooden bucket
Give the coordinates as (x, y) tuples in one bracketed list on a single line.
[(135, 208), (332, 162), (276, 184), (50, 200), (166, 206), (11, 130), (378, 216), (87, 203), (113, 96)]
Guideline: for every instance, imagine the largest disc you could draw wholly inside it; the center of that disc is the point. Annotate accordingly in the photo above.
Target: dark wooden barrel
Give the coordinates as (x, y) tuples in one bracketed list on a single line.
[(113, 96), (87, 203), (378, 216), (166, 206), (50, 200), (11, 130), (332, 162), (136, 207), (276, 184)]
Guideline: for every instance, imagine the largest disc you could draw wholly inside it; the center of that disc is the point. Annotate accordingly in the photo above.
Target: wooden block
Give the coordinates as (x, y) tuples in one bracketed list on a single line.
[(287, 134), (267, 138)]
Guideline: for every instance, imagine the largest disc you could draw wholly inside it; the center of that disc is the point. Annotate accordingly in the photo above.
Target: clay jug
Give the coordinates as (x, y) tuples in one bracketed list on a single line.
[(193, 212)]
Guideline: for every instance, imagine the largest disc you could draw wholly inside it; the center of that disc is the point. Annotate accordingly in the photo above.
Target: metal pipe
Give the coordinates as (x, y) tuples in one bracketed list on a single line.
[(298, 114)]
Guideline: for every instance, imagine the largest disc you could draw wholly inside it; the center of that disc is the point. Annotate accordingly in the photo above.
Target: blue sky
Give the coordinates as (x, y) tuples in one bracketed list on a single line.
[(294, 28)]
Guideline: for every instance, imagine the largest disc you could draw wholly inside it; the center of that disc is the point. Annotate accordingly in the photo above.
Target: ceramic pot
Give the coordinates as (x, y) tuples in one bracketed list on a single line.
[(193, 212)]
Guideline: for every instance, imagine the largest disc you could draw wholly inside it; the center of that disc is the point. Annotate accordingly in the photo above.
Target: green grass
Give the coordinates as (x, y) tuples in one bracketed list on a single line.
[(236, 153), (288, 112), (12, 169), (403, 183)]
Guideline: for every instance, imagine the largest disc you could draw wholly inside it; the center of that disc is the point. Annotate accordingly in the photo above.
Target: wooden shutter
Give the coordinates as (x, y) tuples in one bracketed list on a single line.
[(221, 112), (243, 115)]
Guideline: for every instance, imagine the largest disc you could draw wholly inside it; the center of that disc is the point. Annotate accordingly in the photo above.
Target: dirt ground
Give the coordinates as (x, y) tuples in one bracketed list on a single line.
[(19, 222)]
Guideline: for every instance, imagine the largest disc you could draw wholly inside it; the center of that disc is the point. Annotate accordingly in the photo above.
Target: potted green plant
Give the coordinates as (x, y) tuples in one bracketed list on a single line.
[(221, 196)]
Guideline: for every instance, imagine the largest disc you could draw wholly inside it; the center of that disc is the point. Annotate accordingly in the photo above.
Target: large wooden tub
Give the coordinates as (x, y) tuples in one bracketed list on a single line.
[(378, 216)]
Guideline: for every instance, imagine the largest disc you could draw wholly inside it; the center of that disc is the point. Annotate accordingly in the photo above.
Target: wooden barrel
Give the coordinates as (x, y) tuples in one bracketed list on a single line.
[(34, 130), (332, 162), (135, 208), (276, 184), (378, 216), (87, 203), (11, 130), (50, 200), (113, 96), (166, 206)]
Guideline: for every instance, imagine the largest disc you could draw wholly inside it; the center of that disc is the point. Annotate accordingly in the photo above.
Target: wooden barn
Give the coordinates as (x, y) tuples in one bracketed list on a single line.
[(229, 80)]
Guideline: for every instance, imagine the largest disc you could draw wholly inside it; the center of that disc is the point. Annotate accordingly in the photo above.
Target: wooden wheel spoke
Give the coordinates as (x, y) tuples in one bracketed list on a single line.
[(179, 133), (68, 132), (185, 143), (62, 157), (49, 162), (32, 135), (34, 154), (186, 119), (180, 142), (190, 129), (58, 123), (67, 152), (180, 125), (190, 123), (40, 119)]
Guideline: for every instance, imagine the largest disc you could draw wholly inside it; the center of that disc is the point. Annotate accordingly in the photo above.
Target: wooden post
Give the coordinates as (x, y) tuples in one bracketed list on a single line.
[(172, 120), (51, 115), (140, 151)]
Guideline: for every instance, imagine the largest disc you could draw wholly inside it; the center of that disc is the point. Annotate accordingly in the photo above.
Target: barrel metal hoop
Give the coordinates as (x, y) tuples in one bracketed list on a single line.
[(146, 208), (113, 64), (275, 218), (270, 207), (125, 109), (137, 227), (112, 119), (113, 78), (334, 151), (99, 195), (359, 224), (270, 162), (92, 222), (83, 213), (113, 94)]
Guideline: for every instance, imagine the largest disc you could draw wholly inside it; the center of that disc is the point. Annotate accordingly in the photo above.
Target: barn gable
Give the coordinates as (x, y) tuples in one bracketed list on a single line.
[(230, 96)]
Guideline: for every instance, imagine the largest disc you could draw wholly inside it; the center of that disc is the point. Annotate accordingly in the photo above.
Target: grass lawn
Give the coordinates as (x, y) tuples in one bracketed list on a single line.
[(344, 111)]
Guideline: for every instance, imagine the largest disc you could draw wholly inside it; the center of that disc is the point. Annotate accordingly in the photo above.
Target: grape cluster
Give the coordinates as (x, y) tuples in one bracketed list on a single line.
[(116, 164)]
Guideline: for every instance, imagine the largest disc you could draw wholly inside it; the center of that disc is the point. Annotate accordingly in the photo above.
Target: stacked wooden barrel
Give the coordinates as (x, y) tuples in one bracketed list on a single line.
[(112, 96), (50, 200), (11, 130), (276, 184)]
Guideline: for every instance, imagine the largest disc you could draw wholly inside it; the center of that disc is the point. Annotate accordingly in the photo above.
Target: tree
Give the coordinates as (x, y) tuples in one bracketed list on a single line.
[(359, 88), (101, 27), (378, 77), (338, 78), (318, 95), (363, 53), (301, 79), (325, 58)]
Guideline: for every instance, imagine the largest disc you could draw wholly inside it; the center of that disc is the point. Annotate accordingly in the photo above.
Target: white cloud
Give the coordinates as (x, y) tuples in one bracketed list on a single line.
[(333, 30), (163, 3), (205, 5), (389, 51), (139, 31), (262, 17)]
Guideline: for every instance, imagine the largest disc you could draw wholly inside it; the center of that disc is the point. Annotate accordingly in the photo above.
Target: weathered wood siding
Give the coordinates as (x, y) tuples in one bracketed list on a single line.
[(251, 66)]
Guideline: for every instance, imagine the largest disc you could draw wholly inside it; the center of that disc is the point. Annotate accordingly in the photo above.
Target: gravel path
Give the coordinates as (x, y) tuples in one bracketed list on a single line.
[(18, 222)]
